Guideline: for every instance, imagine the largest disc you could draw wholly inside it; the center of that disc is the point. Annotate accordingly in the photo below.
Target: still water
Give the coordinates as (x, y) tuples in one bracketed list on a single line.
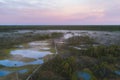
[(35, 51)]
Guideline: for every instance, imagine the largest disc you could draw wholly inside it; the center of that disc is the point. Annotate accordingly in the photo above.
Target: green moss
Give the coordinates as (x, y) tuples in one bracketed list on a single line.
[(74, 76), (52, 50), (5, 53), (29, 67)]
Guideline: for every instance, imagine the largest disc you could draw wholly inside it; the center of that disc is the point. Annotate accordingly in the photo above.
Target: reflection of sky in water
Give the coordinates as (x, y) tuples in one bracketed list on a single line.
[(45, 48), (10, 63), (27, 53), (103, 37), (42, 43), (84, 75), (22, 71), (66, 36), (30, 53), (5, 72), (117, 72)]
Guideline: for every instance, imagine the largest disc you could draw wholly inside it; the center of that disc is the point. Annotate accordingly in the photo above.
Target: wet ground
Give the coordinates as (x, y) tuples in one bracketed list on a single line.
[(32, 53), (26, 55)]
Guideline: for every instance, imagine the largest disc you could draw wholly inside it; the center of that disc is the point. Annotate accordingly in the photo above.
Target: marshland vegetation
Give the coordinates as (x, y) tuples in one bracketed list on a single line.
[(82, 55)]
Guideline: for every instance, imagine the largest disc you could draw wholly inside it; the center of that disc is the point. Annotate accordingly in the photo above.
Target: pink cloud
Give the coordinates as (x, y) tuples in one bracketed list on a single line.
[(66, 13)]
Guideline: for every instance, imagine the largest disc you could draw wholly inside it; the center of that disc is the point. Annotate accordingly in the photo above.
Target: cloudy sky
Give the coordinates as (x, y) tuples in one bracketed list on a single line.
[(59, 12)]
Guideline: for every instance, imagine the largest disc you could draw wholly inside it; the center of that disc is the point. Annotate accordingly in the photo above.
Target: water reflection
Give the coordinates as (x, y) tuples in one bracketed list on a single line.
[(117, 72), (30, 53), (22, 71), (10, 63), (84, 75), (5, 72)]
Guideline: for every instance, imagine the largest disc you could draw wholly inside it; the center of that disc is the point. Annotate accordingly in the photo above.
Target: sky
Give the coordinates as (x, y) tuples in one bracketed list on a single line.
[(59, 12)]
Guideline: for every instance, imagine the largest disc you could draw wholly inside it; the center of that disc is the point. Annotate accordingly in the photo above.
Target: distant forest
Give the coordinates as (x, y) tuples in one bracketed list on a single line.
[(61, 27)]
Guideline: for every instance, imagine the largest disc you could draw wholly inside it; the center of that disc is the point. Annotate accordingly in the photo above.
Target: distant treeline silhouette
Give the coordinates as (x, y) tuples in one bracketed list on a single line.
[(61, 27)]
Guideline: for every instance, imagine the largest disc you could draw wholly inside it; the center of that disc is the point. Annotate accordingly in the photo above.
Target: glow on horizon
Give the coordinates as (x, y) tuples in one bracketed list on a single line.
[(56, 12)]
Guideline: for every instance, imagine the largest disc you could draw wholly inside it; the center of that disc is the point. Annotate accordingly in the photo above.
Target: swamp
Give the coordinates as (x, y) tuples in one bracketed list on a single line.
[(59, 53)]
